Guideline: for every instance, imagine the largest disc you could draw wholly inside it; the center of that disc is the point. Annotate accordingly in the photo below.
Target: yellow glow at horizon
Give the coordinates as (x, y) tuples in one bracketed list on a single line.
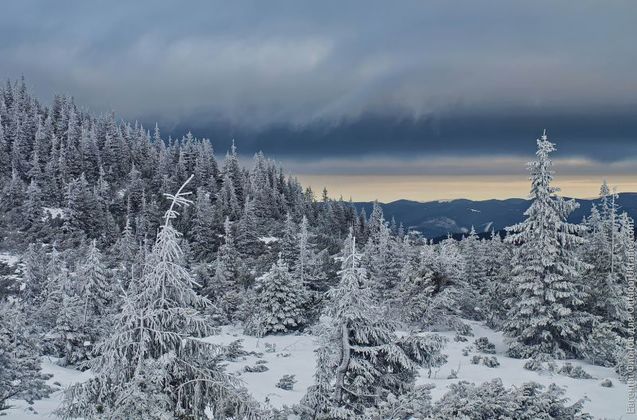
[(386, 188)]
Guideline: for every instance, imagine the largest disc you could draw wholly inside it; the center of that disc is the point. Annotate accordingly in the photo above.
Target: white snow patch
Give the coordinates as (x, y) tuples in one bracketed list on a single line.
[(604, 402), (475, 211), (268, 239), (9, 259), (46, 407), (294, 355), (53, 212)]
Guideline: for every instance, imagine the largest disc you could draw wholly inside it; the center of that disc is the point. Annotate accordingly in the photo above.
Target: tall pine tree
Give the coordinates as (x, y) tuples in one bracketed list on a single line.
[(546, 315)]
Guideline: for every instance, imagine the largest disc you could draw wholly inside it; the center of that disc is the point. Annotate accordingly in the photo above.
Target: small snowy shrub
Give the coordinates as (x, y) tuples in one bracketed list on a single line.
[(270, 347), (607, 383), (574, 371), (492, 400), (541, 362), (533, 364), (625, 365), (414, 404), (235, 350), (286, 382), (484, 345), (460, 338), (490, 361), (601, 346), (258, 368), (463, 329)]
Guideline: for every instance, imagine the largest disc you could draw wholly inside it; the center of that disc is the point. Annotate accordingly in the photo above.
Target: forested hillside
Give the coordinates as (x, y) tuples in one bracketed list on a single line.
[(435, 219), (132, 247)]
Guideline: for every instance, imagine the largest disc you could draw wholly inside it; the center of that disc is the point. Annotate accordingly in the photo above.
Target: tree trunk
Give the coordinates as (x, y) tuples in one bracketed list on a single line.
[(342, 367)]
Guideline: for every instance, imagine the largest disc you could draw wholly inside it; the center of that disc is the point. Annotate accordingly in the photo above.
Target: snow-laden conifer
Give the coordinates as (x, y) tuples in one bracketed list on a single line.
[(20, 375), (154, 365), (280, 302), (546, 305), (363, 360)]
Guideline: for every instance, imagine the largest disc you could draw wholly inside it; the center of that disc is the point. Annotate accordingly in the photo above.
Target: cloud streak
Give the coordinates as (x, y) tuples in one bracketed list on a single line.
[(454, 166)]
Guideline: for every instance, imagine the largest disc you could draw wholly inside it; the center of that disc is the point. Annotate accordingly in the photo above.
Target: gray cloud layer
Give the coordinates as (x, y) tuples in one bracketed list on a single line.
[(312, 78), (287, 61)]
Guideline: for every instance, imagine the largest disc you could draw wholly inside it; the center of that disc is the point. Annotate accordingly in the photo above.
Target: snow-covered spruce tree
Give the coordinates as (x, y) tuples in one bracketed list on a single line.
[(12, 193), (224, 289), (96, 296), (154, 366), (546, 315), (382, 260), (227, 198), (32, 209), (305, 253), (20, 376), (280, 302), (81, 210), (34, 276), (362, 361), (96, 290), (69, 336), (289, 242), (603, 252), (497, 275), (124, 252), (474, 293), (261, 190), (59, 316), (204, 239), (429, 293), (248, 227), (56, 283), (232, 170), (415, 291), (309, 271), (606, 280)]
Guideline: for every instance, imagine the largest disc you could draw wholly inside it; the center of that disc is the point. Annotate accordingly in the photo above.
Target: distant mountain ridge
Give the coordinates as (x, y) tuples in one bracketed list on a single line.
[(439, 218)]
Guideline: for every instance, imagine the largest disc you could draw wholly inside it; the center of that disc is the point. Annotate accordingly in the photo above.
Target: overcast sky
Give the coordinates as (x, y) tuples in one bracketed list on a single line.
[(356, 88)]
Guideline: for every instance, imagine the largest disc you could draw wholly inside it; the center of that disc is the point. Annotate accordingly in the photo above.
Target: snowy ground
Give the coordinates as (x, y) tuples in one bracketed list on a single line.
[(293, 354), (604, 402), (62, 377), (9, 259)]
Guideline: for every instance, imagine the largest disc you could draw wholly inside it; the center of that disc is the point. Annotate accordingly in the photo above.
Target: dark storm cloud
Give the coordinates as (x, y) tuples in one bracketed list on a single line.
[(344, 78), (606, 135)]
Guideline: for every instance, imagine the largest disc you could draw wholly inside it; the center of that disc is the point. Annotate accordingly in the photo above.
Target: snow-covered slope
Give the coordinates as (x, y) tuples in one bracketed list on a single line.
[(44, 409), (294, 354), (604, 402)]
